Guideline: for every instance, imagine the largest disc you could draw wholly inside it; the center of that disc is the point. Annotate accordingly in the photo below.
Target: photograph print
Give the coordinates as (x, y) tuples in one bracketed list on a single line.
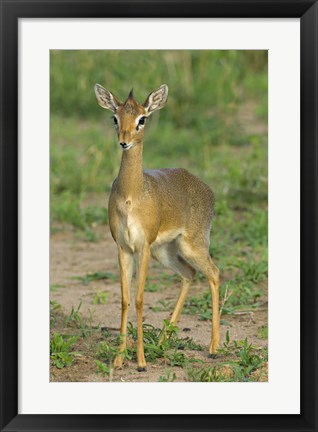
[(158, 216)]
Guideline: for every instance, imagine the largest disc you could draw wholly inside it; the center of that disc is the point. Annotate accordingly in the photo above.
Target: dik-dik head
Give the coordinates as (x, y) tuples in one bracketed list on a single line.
[(130, 117)]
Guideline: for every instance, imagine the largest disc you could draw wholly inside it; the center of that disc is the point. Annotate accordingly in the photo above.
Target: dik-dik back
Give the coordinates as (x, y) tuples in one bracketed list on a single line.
[(184, 200)]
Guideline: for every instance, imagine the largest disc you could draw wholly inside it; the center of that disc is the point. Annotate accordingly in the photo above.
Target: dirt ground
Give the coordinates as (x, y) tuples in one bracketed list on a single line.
[(72, 256)]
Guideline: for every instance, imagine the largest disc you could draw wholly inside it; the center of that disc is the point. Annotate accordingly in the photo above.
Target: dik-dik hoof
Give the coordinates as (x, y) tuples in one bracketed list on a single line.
[(214, 348), (213, 356), (141, 369)]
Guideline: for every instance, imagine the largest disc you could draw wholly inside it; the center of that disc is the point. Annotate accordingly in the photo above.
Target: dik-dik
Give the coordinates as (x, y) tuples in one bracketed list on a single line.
[(164, 213)]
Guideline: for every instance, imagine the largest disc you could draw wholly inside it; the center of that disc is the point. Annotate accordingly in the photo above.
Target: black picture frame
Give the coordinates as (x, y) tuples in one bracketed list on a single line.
[(11, 11)]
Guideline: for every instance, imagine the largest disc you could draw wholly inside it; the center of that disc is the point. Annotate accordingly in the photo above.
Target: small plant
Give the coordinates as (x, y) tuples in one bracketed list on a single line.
[(89, 235), (168, 377), (254, 271), (151, 287), (87, 279), (75, 319), (107, 351), (102, 368), (169, 330), (249, 360), (191, 345), (176, 358), (100, 297), (263, 332), (205, 374), (74, 315), (54, 308), (55, 287), (60, 350), (106, 354), (164, 306), (199, 305)]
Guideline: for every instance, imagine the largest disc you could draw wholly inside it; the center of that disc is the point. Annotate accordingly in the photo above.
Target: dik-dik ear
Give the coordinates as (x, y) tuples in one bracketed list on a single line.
[(106, 99), (157, 99)]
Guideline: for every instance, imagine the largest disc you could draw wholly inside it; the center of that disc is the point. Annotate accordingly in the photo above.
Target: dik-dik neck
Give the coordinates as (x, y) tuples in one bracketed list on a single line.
[(130, 177)]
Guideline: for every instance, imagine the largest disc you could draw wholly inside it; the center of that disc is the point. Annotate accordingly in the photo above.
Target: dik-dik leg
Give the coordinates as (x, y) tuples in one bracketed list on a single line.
[(142, 267), (185, 286), (199, 258), (126, 271), (167, 254), (214, 280)]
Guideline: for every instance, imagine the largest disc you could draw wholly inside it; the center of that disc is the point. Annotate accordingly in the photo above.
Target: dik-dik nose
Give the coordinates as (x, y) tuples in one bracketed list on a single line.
[(123, 144)]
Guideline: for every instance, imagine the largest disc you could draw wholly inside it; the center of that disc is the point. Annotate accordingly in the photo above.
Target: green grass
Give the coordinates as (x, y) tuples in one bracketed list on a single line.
[(163, 306), (55, 287), (237, 360), (74, 319), (246, 359), (55, 307), (89, 277), (169, 376), (66, 209), (171, 349), (102, 368), (242, 292), (61, 350), (263, 332), (224, 77), (152, 287), (100, 297)]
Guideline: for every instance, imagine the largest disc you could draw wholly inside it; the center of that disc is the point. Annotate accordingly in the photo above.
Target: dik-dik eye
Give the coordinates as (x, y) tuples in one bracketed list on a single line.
[(141, 122), (115, 120)]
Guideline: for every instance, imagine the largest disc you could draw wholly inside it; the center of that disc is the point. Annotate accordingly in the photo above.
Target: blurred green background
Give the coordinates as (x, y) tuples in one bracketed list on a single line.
[(214, 124)]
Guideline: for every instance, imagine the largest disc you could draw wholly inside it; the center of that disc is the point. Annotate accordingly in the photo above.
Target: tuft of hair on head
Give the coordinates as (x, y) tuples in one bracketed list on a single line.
[(131, 94)]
